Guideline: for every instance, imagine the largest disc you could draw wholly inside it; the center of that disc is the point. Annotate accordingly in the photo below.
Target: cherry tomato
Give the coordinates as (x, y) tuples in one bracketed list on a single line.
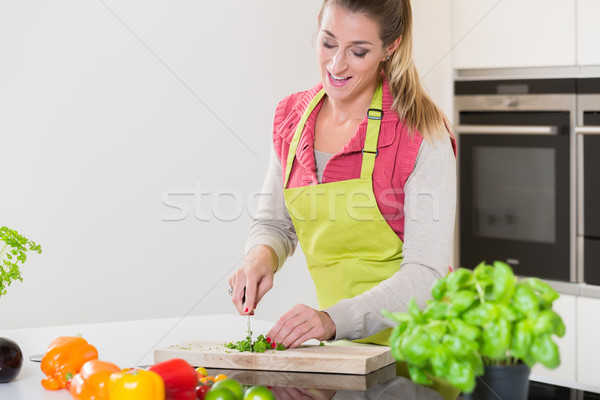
[(201, 371), (220, 377), (201, 391), (258, 393)]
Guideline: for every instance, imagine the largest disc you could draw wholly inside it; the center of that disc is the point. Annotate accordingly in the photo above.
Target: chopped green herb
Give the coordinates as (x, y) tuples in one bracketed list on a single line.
[(258, 346), (279, 347)]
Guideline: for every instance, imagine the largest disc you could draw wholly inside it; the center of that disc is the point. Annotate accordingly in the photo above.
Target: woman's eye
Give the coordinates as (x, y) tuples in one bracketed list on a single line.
[(328, 45), (360, 54)]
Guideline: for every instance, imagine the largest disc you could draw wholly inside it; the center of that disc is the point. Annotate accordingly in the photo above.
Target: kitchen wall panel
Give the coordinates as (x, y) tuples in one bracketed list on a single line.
[(513, 33), (135, 136)]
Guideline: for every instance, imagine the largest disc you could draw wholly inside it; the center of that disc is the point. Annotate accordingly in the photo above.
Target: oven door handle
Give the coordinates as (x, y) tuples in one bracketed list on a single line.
[(507, 129), (587, 130)]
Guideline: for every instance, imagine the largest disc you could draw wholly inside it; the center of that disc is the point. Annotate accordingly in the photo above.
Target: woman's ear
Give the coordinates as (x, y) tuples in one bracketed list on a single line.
[(392, 47)]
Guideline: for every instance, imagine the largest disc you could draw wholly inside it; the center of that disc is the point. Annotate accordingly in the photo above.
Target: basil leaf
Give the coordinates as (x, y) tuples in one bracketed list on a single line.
[(504, 281), (525, 300), (496, 339), (545, 351), (462, 329), (480, 314), (522, 339), (417, 347), (418, 375), (459, 279)]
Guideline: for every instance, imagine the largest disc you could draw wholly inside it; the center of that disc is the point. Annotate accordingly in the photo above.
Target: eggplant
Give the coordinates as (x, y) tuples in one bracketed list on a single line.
[(11, 360)]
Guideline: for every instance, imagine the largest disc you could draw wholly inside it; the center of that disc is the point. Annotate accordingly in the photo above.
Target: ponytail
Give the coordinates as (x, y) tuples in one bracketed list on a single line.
[(411, 101)]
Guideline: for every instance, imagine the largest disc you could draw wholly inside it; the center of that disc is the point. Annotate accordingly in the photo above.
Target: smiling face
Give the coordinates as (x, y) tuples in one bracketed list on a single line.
[(349, 53)]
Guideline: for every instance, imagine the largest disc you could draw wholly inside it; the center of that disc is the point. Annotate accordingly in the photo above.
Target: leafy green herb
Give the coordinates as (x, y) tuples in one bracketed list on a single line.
[(476, 318), (13, 251), (258, 346)]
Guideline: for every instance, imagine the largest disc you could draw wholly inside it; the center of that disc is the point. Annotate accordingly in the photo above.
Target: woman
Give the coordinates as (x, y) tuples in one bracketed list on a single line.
[(352, 157)]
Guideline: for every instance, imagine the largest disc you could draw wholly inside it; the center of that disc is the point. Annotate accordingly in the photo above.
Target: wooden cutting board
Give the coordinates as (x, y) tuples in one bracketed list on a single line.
[(337, 358), (310, 380)]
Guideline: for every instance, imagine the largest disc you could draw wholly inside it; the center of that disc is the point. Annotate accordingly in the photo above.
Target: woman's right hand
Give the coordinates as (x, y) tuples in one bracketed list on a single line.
[(255, 276)]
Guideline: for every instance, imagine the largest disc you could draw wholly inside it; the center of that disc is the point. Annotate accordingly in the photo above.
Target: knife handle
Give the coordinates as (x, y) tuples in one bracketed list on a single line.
[(244, 301)]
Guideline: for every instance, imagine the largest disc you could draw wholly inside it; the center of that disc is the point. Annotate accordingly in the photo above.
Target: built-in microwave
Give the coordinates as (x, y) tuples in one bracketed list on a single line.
[(517, 175), (588, 179)]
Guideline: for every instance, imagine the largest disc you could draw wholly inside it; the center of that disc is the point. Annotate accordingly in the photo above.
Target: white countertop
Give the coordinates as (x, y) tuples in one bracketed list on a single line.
[(126, 344), (132, 343)]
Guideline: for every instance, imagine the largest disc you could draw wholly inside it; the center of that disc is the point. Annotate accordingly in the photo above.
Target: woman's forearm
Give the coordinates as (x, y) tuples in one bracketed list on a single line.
[(272, 225)]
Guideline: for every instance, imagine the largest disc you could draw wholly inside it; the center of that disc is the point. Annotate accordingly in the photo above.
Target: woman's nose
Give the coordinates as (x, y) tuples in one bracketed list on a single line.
[(338, 63)]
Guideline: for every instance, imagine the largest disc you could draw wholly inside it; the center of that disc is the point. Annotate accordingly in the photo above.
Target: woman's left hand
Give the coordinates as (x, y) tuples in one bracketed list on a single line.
[(300, 324)]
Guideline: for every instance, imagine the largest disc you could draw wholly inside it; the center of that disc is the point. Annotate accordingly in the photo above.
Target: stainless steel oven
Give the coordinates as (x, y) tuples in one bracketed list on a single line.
[(588, 179), (517, 175)]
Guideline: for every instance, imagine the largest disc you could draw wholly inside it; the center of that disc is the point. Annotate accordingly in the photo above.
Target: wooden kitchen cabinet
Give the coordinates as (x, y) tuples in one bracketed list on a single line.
[(516, 33), (588, 345), (588, 32), (566, 307)]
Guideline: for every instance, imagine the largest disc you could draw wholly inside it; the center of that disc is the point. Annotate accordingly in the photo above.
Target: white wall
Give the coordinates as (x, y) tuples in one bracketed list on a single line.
[(112, 111)]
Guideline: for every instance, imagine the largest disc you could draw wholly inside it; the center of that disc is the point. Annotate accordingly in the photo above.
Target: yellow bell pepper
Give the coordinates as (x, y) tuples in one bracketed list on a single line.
[(136, 384)]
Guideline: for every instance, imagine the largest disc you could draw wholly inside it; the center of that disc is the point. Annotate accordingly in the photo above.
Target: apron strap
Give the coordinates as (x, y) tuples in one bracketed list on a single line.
[(374, 115), (296, 139)]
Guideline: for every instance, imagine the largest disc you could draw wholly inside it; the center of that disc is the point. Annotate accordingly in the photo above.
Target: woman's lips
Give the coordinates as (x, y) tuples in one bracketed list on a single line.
[(337, 81)]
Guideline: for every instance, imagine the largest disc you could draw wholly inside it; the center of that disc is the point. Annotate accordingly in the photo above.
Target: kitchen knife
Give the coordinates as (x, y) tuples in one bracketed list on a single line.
[(248, 322)]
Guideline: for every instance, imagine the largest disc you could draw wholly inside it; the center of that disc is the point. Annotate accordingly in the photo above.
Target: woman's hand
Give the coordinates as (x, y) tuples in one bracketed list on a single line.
[(300, 324), (255, 276)]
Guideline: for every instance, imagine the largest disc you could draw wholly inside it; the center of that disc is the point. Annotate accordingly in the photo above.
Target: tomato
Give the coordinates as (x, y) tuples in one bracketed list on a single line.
[(201, 371), (220, 394), (207, 380), (201, 391), (258, 393), (232, 385), (220, 377)]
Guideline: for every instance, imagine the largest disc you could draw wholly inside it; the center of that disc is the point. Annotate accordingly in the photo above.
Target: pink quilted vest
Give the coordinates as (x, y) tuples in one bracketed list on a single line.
[(395, 162)]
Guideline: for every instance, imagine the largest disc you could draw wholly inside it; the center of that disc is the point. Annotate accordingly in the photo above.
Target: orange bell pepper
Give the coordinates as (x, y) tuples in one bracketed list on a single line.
[(136, 384), (92, 382), (63, 359)]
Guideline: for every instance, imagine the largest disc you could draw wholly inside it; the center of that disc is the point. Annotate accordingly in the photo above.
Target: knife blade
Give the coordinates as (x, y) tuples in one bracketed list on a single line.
[(248, 321), (249, 328)]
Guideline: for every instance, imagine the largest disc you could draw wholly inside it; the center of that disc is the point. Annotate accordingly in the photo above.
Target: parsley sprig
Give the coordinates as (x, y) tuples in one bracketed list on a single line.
[(14, 250)]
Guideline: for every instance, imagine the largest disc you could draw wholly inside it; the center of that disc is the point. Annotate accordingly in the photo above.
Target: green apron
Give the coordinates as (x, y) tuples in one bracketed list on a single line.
[(349, 246)]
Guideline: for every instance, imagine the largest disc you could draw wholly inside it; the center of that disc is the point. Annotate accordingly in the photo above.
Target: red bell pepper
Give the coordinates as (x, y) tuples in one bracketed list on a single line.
[(180, 379)]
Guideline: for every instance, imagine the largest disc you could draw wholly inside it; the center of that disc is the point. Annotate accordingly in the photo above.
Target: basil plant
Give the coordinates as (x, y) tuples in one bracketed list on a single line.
[(476, 318)]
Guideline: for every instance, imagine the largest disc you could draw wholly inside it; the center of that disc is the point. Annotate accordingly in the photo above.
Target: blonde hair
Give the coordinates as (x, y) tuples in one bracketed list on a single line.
[(411, 101)]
